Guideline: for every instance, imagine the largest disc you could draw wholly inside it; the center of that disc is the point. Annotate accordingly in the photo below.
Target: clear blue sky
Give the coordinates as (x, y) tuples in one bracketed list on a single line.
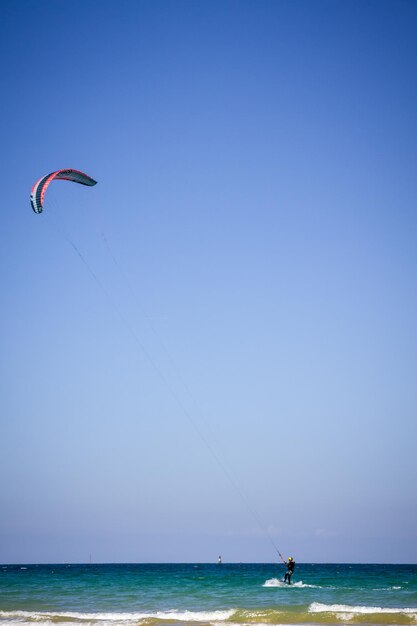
[(257, 188)]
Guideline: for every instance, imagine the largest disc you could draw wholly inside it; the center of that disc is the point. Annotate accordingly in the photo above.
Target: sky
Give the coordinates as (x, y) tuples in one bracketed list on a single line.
[(213, 350)]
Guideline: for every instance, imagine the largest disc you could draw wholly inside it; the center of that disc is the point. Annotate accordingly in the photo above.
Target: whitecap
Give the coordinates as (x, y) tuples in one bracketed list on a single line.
[(393, 587), (318, 607), (121, 618)]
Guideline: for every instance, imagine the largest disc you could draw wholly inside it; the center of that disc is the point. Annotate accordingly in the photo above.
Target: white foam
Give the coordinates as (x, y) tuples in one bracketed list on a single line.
[(252, 624), (317, 607), (275, 582), (385, 588), (47, 616)]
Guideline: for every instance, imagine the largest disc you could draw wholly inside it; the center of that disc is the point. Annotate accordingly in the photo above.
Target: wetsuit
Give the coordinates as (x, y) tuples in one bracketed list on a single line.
[(289, 573)]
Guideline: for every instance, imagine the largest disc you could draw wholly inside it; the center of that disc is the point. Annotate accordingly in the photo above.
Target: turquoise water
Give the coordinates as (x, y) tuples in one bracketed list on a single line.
[(146, 594)]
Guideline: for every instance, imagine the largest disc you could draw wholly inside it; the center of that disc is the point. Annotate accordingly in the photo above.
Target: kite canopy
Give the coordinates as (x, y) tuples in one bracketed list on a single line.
[(40, 187)]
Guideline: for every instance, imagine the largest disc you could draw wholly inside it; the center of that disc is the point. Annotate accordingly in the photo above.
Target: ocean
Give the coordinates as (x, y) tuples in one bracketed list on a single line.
[(154, 594)]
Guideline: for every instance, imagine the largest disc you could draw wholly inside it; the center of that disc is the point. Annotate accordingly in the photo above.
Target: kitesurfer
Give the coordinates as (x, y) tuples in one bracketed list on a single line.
[(290, 569)]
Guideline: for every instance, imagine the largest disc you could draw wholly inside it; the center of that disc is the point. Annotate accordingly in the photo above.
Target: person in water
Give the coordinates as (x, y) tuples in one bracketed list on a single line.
[(290, 569)]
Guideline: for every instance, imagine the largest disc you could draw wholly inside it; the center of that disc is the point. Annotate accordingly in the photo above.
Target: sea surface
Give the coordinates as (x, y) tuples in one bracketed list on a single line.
[(156, 594)]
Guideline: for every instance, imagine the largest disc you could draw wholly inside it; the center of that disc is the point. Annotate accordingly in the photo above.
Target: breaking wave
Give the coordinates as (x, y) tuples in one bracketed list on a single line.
[(318, 607), (101, 619)]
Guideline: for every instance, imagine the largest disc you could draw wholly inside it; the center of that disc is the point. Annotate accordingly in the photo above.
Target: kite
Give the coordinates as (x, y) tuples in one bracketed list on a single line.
[(39, 188)]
